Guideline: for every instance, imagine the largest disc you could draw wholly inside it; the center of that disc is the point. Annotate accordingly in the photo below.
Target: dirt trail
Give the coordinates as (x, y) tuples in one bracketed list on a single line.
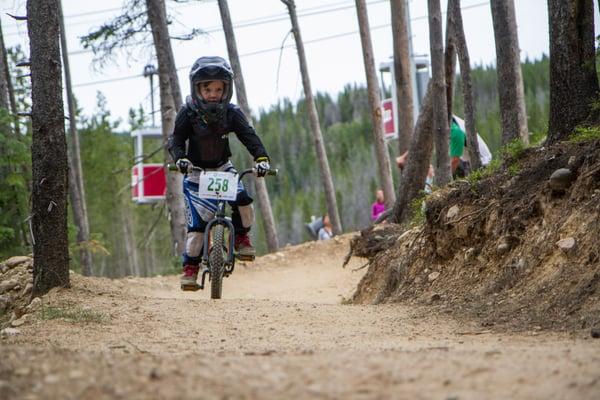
[(279, 333)]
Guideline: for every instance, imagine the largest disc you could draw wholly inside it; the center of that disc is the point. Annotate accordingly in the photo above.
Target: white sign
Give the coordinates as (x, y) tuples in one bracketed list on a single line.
[(218, 185)]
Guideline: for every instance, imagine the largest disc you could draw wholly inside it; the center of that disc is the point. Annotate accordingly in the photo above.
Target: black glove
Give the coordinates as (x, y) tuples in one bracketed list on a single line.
[(184, 165), (262, 166)]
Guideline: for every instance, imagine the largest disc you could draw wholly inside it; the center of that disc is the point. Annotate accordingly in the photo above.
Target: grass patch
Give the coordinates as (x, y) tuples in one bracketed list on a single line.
[(73, 314), (487, 171), (513, 149), (537, 138), (417, 210), (514, 169), (510, 151), (585, 134)]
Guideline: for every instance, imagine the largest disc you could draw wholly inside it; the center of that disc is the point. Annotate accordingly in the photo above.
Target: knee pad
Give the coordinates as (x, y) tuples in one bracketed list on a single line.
[(246, 215), (243, 199), (194, 243)]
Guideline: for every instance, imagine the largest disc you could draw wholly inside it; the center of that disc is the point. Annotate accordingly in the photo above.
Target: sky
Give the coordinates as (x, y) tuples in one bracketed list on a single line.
[(329, 29)]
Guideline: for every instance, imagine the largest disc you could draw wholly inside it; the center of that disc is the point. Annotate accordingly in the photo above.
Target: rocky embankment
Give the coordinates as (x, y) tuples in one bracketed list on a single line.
[(16, 304), (519, 248)]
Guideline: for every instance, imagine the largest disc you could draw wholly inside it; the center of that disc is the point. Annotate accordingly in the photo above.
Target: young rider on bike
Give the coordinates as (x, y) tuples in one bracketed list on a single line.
[(204, 122)]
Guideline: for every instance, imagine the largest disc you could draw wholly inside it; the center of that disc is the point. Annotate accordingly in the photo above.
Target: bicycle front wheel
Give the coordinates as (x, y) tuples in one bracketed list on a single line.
[(216, 259)]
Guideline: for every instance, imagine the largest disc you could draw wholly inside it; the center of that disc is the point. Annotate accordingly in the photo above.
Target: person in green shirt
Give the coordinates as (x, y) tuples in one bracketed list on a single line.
[(457, 148)]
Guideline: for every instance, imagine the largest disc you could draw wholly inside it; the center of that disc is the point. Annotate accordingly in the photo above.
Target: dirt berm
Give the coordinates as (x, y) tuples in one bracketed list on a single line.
[(508, 249)]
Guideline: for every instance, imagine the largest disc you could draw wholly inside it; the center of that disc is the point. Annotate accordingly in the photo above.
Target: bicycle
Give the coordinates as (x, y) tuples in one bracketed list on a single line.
[(218, 259)]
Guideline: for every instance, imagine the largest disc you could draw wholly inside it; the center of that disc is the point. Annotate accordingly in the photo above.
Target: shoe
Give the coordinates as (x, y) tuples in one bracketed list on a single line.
[(190, 275), (243, 247)]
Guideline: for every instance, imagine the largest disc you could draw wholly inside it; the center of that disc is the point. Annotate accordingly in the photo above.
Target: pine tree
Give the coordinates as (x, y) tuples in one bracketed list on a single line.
[(326, 177), (262, 195), (510, 79), (573, 76), (402, 72), (48, 150), (440, 108), (76, 184), (381, 151)]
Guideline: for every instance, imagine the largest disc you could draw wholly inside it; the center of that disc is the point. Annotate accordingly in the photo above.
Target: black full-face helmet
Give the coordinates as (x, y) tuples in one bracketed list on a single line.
[(211, 69)]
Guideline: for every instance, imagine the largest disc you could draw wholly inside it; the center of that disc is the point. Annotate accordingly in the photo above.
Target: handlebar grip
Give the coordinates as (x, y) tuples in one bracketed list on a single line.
[(172, 167), (273, 172)]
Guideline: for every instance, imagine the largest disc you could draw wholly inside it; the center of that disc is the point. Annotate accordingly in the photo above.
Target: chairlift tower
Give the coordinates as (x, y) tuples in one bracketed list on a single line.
[(419, 72), (149, 72), (148, 180), (420, 66)]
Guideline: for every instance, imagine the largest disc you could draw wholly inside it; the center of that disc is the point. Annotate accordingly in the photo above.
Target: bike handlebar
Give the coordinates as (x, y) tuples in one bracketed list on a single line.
[(271, 172)]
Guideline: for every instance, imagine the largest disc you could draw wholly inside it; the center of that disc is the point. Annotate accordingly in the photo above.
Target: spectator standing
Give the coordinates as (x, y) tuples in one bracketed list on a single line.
[(379, 206)]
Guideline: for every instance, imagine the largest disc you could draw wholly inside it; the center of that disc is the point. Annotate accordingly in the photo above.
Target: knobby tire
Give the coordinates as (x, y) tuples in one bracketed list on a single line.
[(216, 259)]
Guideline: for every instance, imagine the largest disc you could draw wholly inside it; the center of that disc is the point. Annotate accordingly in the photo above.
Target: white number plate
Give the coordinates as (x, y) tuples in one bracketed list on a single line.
[(218, 185)]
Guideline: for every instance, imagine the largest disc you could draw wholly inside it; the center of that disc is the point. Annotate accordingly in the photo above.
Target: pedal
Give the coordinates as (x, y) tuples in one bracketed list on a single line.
[(243, 257), (191, 288)]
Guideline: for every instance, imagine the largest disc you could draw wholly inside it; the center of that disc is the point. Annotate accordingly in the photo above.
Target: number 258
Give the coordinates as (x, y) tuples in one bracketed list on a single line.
[(218, 184)]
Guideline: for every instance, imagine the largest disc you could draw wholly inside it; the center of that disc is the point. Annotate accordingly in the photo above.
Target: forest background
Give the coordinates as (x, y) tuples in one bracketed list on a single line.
[(130, 239)]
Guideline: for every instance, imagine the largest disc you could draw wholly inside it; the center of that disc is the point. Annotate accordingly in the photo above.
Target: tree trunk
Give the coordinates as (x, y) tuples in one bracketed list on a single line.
[(513, 115), (314, 123), (450, 61), (260, 187), (573, 77), (48, 150), (381, 151), (132, 256), (412, 181), (441, 129), (76, 185), (4, 74), (467, 84), (402, 73), (170, 101)]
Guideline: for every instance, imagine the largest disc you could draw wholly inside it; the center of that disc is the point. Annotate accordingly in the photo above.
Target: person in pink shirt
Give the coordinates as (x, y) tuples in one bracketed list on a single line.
[(378, 207)]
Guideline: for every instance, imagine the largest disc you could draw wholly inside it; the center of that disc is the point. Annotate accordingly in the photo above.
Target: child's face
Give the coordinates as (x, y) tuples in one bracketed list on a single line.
[(212, 91)]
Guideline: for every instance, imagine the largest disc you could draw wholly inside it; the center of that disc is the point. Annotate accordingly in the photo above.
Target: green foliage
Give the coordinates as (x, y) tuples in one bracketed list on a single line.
[(14, 177), (485, 172), (585, 134), (417, 210), (538, 138), (514, 169), (513, 149), (6, 234), (121, 240), (73, 314), (15, 165)]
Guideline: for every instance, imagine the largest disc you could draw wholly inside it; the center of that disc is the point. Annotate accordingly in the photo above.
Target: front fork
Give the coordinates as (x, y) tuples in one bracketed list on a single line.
[(230, 261)]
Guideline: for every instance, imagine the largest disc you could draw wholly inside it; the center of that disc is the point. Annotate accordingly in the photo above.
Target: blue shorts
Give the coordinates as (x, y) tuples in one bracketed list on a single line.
[(199, 211)]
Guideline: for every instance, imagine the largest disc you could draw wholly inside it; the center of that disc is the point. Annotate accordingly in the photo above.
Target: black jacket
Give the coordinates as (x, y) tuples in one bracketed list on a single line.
[(208, 145)]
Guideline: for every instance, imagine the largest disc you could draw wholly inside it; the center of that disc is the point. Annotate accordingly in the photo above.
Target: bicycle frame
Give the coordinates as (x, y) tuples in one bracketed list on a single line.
[(220, 218)]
